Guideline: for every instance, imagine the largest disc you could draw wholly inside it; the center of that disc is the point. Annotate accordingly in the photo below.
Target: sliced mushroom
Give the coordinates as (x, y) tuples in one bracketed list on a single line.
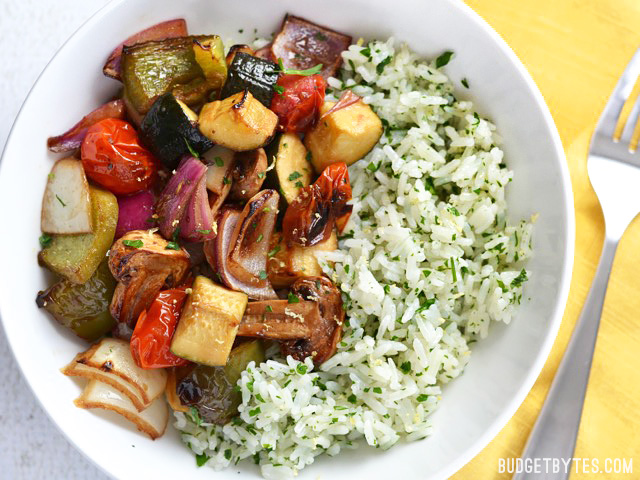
[(248, 173), (142, 264), (309, 323)]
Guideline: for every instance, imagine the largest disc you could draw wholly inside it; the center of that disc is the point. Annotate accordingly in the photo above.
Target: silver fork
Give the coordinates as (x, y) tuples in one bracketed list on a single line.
[(614, 171)]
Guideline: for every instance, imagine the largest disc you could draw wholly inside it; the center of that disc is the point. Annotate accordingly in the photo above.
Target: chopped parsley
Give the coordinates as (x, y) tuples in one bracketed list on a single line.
[(382, 64), (201, 459), (262, 275), (308, 156), (191, 150), (45, 240), (227, 454), (298, 184), (259, 239), (377, 390), (453, 211), (60, 200), (293, 298), (520, 279), (366, 52), (254, 412), (172, 246), (301, 369), (268, 308), (352, 398), (279, 89), (444, 59), (261, 175), (133, 243), (405, 367), (204, 232), (274, 251), (294, 176), (465, 83), (219, 161), (306, 73), (453, 270), (226, 181), (422, 397)]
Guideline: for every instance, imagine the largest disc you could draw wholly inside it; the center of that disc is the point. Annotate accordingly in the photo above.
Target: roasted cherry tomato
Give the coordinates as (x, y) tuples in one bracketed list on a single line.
[(152, 336), (113, 157), (310, 218), (298, 106), (336, 179)]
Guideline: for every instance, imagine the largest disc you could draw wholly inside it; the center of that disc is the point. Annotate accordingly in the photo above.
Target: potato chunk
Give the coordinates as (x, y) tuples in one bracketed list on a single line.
[(239, 122), (345, 135)]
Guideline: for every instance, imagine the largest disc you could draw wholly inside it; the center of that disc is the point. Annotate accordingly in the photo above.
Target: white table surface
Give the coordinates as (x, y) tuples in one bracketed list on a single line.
[(31, 446)]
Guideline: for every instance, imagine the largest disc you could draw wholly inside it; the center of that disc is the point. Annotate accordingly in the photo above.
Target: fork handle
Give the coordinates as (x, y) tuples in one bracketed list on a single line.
[(556, 429)]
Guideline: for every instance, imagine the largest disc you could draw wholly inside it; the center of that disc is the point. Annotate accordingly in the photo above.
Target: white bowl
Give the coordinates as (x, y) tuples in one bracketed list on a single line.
[(503, 367)]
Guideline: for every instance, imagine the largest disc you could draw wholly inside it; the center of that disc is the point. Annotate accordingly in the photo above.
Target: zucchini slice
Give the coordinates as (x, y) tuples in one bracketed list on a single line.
[(170, 129), (293, 171), (257, 75)]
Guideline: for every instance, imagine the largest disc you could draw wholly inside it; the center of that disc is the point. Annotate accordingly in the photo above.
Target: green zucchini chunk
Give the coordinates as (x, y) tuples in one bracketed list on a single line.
[(170, 130), (255, 74)]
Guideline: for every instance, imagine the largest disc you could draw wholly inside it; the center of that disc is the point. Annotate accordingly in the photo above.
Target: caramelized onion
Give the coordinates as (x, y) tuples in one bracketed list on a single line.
[(197, 225)]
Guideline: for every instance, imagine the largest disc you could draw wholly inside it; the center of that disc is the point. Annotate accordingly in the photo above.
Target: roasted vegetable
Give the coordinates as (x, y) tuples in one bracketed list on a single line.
[(170, 130), (198, 224), (238, 49), (249, 172), (310, 218), (143, 263), (345, 135), (84, 308), (154, 330), (293, 170), (307, 324), (152, 420), (113, 157), (76, 257), (176, 195), (208, 324), (135, 212), (66, 206), (220, 162), (247, 72), (160, 31), (239, 122), (154, 68), (286, 264), (209, 54), (211, 390), (217, 254), (110, 361), (302, 45), (298, 106), (72, 138)]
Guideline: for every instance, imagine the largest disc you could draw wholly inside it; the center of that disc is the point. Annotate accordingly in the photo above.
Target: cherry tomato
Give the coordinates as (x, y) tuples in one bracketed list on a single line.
[(152, 336), (336, 178), (298, 106), (113, 157), (310, 218)]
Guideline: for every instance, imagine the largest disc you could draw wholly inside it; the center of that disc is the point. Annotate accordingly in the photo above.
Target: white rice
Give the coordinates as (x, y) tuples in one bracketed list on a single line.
[(428, 260)]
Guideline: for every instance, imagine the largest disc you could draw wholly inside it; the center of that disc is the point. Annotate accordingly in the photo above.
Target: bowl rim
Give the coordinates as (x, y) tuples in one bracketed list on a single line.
[(567, 268)]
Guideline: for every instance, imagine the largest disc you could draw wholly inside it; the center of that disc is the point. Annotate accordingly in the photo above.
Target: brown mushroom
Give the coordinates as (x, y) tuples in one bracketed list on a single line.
[(310, 326), (142, 264), (249, 172)]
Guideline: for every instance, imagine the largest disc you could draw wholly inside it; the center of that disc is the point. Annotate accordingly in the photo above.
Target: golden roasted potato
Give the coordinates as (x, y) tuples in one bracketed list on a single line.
[(239, 122), (345, 135)]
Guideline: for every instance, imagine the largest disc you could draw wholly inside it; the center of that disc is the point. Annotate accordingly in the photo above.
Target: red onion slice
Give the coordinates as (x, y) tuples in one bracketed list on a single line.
[(161, 31), (217, 254), (72, 139), (177, 193), (197, 225), (346, 99), (134, 212)]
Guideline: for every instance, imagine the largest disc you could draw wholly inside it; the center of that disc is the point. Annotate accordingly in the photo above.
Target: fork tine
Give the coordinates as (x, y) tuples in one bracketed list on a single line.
[(630, 125), (609, 118)]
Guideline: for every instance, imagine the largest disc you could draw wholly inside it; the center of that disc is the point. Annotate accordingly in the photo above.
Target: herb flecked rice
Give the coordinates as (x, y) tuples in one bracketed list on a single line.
[(426, 262)]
